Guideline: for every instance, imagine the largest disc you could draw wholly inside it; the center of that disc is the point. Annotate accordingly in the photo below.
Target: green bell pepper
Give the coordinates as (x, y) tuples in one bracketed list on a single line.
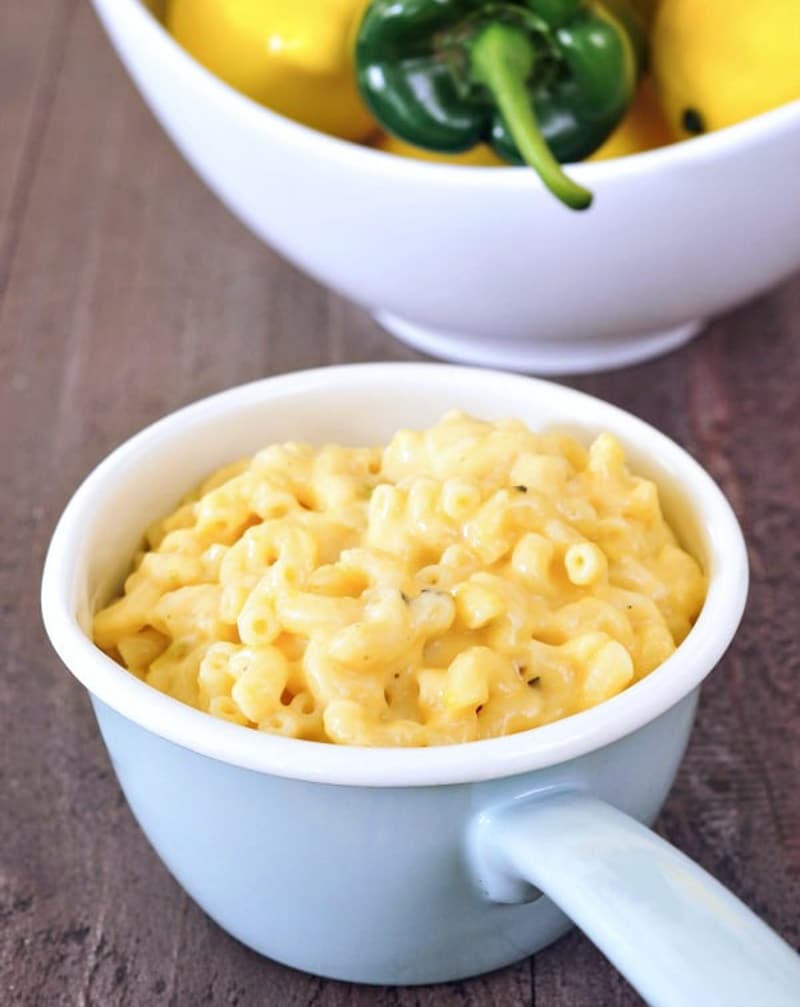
[(542, 81)]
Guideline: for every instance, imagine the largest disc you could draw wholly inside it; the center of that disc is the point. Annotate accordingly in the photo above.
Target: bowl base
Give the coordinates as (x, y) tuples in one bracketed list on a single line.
[(556, 356)]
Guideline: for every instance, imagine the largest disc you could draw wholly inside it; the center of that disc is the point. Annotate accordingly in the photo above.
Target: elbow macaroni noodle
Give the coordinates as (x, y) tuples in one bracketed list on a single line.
[(472, 580)]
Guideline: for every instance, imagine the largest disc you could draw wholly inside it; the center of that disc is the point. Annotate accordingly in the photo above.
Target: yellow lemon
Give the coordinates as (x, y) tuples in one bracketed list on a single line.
[(295, 58), (717, 62)]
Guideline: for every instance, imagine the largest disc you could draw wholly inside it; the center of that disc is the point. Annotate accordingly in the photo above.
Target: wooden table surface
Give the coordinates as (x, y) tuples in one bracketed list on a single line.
[(126, 290)]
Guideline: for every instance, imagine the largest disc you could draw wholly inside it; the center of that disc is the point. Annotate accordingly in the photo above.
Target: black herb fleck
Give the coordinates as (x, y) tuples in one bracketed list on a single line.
[(521, 489)]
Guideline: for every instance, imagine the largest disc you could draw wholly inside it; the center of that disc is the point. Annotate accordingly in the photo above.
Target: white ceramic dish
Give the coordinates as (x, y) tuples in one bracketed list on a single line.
[(482, 265), (409, 866)]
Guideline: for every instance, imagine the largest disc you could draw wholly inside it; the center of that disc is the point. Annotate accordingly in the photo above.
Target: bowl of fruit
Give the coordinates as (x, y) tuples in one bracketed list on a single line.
[(541, 185)]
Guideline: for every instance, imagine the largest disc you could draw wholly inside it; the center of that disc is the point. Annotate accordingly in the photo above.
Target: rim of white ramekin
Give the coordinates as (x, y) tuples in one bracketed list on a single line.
[(737, 139), (380, 767)]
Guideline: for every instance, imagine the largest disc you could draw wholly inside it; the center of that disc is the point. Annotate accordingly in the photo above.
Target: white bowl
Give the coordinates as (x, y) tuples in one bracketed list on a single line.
[(482, 265)]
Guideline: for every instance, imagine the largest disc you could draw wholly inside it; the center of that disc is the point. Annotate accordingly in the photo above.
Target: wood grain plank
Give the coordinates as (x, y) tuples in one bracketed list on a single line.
[(32, 40), (746, 405)]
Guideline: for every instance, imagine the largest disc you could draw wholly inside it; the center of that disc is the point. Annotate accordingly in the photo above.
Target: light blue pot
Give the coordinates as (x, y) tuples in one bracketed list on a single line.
[(377, 885), (421, 865), (407, 885)]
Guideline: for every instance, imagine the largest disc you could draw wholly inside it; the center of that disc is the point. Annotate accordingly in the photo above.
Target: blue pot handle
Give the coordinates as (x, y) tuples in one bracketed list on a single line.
[(678, 935)]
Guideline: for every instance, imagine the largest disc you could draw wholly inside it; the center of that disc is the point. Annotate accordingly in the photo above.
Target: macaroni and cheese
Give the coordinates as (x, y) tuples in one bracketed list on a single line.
[(471, 580)]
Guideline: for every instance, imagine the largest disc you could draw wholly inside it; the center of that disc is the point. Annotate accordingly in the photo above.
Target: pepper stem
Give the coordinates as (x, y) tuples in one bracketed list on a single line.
[(502, 58)]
